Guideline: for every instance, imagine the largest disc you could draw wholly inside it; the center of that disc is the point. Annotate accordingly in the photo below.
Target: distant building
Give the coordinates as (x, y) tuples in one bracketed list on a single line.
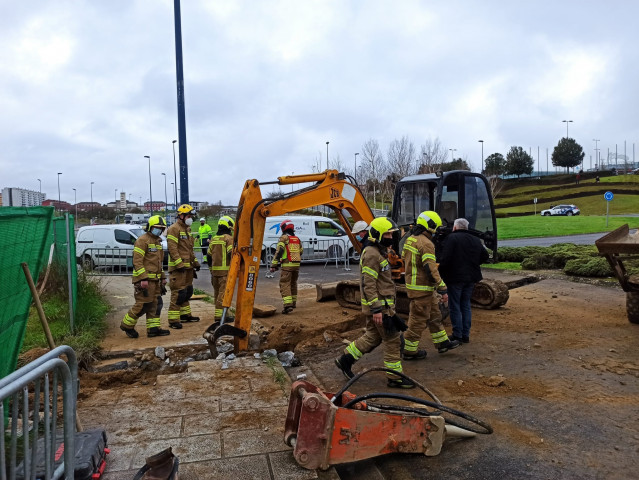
[(199, 205), (157, 206), (87, 206), (60, 206), (21, 197)]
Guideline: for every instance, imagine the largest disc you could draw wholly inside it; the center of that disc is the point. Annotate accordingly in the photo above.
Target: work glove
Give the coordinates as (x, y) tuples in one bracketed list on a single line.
[(274, 269), (444, 310), (195, 273), (399, 323), (196, 267), (163, 289), (389, 324)]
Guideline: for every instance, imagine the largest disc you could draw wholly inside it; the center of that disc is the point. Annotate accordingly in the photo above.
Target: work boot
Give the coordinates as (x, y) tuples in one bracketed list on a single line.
[(176, 325), (400, 383), (465, 339), (157, 332), (419, 355), (130, 332), (294, 305), (188, 318), (344, 363), (448, 345), (287, 309)]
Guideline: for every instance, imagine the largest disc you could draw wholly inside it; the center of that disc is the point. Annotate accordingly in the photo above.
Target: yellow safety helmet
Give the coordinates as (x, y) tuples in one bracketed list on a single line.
[(186, 209), (155, 221), (430, 220), (380, 226), (225, 221)]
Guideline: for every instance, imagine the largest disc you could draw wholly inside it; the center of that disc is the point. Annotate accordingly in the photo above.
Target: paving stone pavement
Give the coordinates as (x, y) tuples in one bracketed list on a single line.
[(220, 423)]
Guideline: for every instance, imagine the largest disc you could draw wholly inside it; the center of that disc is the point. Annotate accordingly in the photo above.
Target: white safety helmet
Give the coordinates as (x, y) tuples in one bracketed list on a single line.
[(360, 226)]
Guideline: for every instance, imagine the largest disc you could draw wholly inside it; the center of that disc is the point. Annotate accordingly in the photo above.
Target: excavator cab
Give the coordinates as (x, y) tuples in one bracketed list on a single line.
[(456, 194)]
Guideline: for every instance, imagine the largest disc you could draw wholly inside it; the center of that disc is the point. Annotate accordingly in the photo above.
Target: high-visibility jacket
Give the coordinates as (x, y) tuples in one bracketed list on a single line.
[(147, 258), (204, 232), (420, 267), (180, 243), (219, 254), (288, 253), (376, 287)]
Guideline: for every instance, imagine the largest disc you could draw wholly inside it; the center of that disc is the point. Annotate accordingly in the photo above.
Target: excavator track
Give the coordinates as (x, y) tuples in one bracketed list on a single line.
[(488, 294)]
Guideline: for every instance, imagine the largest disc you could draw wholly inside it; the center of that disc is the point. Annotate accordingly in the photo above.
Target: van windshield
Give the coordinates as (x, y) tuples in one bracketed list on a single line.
[(137, 232)]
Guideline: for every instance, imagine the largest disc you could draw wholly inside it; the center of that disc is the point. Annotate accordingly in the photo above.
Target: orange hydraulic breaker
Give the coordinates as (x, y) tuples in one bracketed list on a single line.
[(323, 433)]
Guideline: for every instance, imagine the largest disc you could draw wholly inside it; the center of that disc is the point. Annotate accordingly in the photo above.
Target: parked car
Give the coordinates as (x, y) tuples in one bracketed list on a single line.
[(565, 209), (108, 246)]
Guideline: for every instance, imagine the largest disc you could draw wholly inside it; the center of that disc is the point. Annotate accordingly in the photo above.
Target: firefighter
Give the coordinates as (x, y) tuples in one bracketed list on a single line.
[(219, 254), (148, 281), (378, 304), (422, 280), (288, 255), (182, 267), (205, 232)]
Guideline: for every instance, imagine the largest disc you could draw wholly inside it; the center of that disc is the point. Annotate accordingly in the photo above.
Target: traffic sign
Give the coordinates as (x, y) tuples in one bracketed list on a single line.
[(535, 200), (608, 196)]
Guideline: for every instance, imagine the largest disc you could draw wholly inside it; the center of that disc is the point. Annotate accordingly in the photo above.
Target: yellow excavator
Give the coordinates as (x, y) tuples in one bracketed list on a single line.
[(452, 194)]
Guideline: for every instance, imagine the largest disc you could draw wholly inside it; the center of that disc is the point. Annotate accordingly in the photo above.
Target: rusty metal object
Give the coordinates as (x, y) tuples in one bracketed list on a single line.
[(323, 434), (488, 294)]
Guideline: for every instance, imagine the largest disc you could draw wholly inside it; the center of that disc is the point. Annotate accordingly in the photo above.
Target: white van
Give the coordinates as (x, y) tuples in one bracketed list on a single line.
[(108, 245), (322, 237)]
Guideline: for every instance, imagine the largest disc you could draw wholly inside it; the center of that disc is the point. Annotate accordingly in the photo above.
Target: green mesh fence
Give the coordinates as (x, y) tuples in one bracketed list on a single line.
[(27, 235)]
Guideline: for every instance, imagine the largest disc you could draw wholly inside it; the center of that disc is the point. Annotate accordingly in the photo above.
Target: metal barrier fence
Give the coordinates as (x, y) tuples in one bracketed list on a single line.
[(333, 250), (15, 391)]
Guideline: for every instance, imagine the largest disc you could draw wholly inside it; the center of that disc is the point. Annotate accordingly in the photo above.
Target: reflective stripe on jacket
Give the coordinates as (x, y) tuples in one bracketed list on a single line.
[(147, 258), (377, 288), (219, 254), (180, 243), (421, 272)]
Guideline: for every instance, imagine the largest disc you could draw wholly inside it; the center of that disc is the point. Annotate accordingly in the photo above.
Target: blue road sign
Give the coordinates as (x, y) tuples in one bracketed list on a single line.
[(608, 196)]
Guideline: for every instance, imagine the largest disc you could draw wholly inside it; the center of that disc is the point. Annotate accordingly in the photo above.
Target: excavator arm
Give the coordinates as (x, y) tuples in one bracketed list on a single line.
[(329, 188)]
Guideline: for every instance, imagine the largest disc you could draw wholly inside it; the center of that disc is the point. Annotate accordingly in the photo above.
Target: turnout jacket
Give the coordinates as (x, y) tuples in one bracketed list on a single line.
[(377, 288), (147, 258), (219, 254), (421, 272), (181, 243), (289, 252)]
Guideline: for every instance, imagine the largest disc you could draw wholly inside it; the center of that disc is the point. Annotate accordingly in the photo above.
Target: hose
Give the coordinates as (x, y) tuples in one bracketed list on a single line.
[(437, 405)]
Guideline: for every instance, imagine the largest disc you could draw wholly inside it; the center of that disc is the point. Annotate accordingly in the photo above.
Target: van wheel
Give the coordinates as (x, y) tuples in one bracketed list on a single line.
[(334, 251), (87, 263), (353, 256), (547, 214), (569, 214)]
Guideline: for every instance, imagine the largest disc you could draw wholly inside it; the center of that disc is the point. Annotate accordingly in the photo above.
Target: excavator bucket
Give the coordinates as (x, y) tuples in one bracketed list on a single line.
[(215, 331)]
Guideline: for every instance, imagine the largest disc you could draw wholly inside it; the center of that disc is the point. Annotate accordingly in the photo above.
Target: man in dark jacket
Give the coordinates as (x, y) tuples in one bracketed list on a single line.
[(459, 266)]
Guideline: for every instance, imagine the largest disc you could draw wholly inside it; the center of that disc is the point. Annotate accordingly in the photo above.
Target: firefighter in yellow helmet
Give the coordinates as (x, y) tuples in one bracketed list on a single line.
[(182, 267), (288, 255), (148, 281), (378, 304), (219, 255), (422, 281)]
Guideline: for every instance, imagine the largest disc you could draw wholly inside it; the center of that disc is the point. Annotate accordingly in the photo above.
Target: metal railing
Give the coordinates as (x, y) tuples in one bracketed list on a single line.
[(107, 261), (333, 250), (40, 379)]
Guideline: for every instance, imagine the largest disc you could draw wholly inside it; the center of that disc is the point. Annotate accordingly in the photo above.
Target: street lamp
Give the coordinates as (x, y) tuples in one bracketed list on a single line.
[(596, 140), (92, 200), (150, 192), (75, 201), (166, 200), (567, 122), (482, 156), (40, 185), (174, 192), (326, 155), (452, 154), (59, 173), (174, 175), (357, 153)]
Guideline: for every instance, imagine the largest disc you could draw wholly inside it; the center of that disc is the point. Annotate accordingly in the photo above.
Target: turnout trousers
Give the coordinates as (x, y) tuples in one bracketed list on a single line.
[(181, 285), (149, 305), (373, 336), (424, 311), (288, 286), (219, 286)]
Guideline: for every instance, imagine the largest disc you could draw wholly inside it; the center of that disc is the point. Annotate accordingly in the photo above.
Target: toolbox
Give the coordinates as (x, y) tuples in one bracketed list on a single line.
[(90, 455)]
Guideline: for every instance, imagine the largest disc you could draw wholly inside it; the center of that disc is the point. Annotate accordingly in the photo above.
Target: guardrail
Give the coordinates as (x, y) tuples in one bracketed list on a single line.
[(107, 261), (333, 250), (16, 389)]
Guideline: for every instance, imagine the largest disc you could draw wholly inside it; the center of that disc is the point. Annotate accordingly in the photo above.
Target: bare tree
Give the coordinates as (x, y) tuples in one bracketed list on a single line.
[(336, 164), (496, 185), (372, 163), (433, 154), (401, 157)]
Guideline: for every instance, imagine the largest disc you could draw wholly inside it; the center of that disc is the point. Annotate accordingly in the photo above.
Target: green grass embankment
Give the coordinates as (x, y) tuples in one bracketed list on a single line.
[(538, 226)]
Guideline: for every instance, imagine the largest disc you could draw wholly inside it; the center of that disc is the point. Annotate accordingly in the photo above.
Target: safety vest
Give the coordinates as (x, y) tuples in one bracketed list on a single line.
[(293, 252)]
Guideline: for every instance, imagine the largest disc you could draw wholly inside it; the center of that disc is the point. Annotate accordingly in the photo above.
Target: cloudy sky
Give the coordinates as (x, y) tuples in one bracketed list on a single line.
[(87, 88)]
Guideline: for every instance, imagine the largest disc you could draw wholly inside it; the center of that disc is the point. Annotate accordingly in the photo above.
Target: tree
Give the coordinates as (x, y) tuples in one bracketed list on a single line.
[(372, 166), (401, 157), (456, 164), (518, 162), (433, 153), (495, 165), (567, 153)]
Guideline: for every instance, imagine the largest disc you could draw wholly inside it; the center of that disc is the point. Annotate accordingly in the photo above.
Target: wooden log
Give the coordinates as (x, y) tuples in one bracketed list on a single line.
[(326, 291)]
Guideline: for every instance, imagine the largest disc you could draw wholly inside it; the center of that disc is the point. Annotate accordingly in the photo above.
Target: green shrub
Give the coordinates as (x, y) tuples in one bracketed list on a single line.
[(588, 267)]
